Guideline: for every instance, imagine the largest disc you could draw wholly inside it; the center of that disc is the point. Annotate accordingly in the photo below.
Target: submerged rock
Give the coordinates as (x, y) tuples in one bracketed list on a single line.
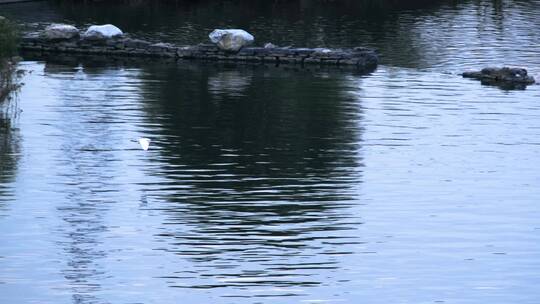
[(506, 77), (231, 40), (60, 32), (101, 32)]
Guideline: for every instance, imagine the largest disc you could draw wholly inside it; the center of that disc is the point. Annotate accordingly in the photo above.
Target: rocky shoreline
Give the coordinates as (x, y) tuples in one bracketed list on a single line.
[(70, 41)]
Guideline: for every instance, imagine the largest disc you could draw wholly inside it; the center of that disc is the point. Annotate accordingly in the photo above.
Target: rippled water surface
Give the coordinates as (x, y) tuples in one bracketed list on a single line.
[(271, 184)]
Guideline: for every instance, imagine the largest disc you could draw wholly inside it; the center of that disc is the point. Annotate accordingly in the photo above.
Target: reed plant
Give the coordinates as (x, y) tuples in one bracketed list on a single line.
[(8, 38), (8, 48)]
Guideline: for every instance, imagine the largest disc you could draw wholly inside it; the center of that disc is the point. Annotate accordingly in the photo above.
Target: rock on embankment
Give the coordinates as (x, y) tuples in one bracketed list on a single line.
[(231, 40), (60, 32), (504, 76), (229, 45), (100, 32)]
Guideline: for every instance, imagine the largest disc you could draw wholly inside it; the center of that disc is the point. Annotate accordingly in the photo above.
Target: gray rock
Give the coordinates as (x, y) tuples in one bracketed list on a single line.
[(102, 32), (322, 52), (231, 40), (163, 49), (269, 45), (502, 76), (162, 46), (60, 32), (136, 43)]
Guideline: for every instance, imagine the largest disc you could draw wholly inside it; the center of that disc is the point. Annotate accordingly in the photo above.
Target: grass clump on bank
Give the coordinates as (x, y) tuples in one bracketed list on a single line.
[(8, 38), (8, 48)]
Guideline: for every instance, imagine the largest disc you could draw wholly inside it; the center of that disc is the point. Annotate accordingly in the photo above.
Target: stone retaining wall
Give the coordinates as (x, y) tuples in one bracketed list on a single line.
[(362, 58)]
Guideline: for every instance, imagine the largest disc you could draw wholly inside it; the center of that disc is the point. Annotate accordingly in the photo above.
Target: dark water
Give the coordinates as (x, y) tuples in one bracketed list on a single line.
[(273, 184)]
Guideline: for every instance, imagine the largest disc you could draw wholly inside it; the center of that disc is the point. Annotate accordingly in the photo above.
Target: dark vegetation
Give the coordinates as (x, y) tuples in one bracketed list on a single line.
[(8, 38), (8, 47), (8, 84)]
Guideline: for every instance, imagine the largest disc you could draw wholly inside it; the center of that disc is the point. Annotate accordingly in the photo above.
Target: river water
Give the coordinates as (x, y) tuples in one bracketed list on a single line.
[(271, 184)]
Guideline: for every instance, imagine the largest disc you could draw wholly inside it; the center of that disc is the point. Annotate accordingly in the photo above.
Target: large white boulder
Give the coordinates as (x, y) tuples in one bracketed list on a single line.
[(99, 32), (231, 40), (60, 32)]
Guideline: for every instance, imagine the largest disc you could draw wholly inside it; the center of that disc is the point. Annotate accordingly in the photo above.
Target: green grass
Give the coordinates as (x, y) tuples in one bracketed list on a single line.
[(8, 38), (8, 48)]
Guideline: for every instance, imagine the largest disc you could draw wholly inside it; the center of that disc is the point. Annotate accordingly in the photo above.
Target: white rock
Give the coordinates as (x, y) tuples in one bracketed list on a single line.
[(60, 32), (231, 40), (98, 32)]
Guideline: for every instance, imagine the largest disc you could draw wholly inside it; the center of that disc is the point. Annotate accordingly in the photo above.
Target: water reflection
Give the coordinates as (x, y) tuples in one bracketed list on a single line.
[(301, 185), (10, 150), (278, 184), (251, 186), (258, 178), (228, 82), (87, 152)]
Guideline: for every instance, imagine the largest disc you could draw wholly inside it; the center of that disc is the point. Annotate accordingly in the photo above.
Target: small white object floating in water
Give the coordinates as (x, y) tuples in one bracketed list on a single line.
[(144, 142)]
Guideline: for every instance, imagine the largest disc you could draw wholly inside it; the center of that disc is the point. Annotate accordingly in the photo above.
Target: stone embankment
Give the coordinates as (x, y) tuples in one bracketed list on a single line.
[(227, 45)]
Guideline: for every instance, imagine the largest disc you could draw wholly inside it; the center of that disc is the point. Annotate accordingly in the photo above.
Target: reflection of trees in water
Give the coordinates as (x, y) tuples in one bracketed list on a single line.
[(256, 122), (10, 150), (258, 174), (10, 138), (228, 83)]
